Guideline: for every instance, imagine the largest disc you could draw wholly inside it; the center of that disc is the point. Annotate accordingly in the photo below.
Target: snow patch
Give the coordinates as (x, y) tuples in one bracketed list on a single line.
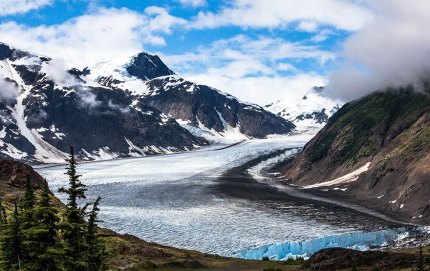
[(346, 179)]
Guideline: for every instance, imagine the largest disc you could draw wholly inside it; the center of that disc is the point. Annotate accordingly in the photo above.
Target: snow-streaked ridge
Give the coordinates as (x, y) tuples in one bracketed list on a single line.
[(44, 151)]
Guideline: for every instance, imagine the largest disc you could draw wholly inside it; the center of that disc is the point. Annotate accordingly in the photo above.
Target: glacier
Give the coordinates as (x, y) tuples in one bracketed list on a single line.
[(354, 240)]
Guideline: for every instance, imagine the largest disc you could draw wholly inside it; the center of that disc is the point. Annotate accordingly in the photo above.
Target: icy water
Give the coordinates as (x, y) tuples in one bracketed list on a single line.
[(173, 200)]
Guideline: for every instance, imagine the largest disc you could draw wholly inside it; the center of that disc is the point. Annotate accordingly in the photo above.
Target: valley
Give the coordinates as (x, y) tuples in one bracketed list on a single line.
[(198, 200)]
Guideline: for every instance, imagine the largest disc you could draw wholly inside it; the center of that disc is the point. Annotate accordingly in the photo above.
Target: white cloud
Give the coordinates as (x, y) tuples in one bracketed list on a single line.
[(11, 7), (262, 90), (160, 21), (102, 34), (8, 90), (56, 70), (193, 3), (252, 69), (308, 26), (342, 14), (259, 55), (322, 35), (392, 50)]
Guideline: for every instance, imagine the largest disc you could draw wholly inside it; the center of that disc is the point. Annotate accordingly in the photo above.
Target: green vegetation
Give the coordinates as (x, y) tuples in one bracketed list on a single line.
[(35, 237), (361, 128)]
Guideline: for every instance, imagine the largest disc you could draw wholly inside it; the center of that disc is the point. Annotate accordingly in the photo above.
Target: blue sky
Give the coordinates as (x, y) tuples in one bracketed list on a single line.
[(258, 50)]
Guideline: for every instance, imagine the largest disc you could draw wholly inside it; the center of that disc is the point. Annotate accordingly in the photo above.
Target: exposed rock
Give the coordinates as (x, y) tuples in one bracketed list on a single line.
[(145, 66), (208, 107)]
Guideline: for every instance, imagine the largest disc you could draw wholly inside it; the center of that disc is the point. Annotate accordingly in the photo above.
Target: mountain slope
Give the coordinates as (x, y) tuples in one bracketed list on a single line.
[(203, 106), (309, 114), (44, 108), (374, 151), (197, 107), (112, 110)]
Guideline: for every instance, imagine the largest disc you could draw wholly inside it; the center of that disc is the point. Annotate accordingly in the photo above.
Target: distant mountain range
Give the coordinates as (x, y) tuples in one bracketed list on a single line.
[(309, 113), (110, 111)]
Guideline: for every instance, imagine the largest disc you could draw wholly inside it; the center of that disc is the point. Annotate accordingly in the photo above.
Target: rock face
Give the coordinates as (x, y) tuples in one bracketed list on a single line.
[(145, 66), (43, 110), (391, 131), (206, 107), (309, 114)]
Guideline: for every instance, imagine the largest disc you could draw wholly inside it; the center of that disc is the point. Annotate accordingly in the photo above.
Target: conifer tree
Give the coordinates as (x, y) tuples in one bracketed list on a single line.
[(29, 199), (47, 251), (74, 226), (3, 225), (3, 217), (96, 248), (12, 243), (27, 224)]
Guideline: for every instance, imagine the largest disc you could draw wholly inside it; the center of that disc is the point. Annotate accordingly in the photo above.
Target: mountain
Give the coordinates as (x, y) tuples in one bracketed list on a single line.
[(44, 108), (206, 107), (309, 113), (110, 110), (201, 109), (145, 66), (374, 152)]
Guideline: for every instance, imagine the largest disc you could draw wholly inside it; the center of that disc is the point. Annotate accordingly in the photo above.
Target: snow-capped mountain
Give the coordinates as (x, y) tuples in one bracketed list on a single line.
[(310, 113), (203, 110), (112, 111), (48, 108)]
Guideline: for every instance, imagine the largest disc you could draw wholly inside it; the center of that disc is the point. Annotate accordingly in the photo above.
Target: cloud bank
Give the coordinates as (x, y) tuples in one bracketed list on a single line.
[(346, 15), (105, 33), (253, 69), (391, 50), (11, 7)]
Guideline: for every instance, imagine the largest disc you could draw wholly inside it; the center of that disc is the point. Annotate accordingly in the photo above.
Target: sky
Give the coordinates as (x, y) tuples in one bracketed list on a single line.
[(258, 50)]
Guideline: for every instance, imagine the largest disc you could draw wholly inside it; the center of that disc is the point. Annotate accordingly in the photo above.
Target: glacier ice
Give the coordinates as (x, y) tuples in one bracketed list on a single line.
[(354, 240)]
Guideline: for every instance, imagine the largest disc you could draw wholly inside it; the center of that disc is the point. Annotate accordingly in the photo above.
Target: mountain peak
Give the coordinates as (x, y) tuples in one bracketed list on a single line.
[(146, 66), (8, 52)]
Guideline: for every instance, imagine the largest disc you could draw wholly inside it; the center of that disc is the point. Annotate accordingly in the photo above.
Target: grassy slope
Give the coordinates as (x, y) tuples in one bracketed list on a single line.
[(392, 131)]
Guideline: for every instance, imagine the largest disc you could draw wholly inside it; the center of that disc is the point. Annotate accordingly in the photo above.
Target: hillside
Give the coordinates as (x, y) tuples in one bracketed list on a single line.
[(374, 151)]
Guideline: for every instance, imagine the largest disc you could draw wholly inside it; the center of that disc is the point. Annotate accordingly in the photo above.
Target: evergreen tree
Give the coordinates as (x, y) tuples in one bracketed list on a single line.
[(27, 224), (47, 253), (96, 248), (3, 217), (29, 200), (74, 226), (3, 225), (12, 243)]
